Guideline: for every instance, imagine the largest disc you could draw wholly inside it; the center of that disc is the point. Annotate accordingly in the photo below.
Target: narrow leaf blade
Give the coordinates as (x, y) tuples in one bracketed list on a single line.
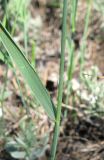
[(28, 72)]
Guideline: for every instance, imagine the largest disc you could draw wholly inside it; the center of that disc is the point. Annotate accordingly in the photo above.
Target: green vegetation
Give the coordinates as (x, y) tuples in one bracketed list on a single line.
[(26, 144)]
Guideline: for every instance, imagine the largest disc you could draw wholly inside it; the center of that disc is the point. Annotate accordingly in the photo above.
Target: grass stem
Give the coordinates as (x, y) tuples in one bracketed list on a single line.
[(84, 38), (71, 46), (61, 79)]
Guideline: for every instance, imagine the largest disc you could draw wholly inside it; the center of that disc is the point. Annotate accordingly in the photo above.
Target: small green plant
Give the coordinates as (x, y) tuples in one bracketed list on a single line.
[(94, 90), (26, 144)]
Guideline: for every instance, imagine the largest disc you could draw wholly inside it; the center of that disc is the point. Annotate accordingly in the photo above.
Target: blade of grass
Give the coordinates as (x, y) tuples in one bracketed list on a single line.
[(71, 50), (28, 72), (73, 14), (84, 38), (60, 88), (70, 70)]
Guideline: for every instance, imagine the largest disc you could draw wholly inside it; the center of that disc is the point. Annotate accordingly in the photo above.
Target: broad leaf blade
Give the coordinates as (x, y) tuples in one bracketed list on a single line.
[(28, 72)]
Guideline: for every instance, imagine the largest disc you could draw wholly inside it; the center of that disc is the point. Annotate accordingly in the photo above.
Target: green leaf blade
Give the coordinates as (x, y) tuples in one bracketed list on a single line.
[(28, 73)]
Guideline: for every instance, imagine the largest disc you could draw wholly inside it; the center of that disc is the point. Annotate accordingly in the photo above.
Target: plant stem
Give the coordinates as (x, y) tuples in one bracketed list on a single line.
[(84, 39), (71, 46), (73, 14), (61, 79), (70, 71)]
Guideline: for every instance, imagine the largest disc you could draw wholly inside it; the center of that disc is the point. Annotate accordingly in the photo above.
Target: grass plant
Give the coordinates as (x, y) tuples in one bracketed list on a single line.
[(71, 47), (71, 44), (31, 76), (84, 38), (61, 79)]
